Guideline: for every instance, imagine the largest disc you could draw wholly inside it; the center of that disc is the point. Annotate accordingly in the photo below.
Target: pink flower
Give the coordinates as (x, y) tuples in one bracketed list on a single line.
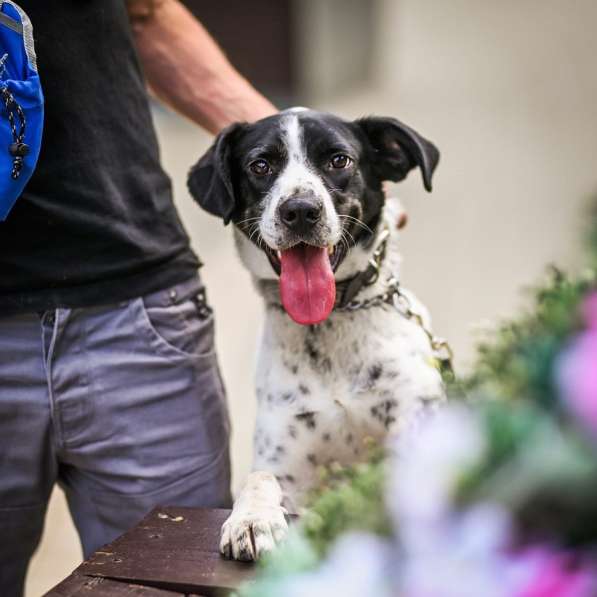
[(577, 369), (556, 575)]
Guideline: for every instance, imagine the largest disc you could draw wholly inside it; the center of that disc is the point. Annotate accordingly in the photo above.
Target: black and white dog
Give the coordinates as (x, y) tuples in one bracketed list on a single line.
[(338, 364)]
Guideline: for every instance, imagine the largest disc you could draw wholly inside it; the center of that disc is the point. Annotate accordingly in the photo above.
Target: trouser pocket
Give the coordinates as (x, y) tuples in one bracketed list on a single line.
[(178, 321)]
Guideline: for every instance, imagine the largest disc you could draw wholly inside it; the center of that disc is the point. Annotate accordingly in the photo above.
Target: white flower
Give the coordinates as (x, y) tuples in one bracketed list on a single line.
[(359, 564), (466, 558), (428, 463)]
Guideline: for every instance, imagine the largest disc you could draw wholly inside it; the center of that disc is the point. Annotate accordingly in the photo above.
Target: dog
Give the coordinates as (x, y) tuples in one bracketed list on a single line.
[(339, 361)]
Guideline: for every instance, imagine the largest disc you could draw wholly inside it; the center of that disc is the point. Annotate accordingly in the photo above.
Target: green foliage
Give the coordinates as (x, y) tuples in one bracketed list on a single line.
[(507, 428), (540, 468), (350, 498), (518, 361)]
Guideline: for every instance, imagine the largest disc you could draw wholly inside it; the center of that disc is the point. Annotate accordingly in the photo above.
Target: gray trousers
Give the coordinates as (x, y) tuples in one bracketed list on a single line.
[(122, 405)]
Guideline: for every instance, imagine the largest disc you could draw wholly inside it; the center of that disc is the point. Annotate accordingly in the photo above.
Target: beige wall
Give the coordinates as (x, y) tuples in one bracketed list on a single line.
[(508, 92)]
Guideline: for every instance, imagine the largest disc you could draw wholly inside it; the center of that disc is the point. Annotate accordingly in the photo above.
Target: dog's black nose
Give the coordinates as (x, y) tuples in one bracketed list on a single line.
[(300, 214)]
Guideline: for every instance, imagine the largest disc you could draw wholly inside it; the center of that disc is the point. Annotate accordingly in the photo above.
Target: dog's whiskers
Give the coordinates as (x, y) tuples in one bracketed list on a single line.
[(345, 233), (247, 221), (344, 241), (357, 222), (254, 228)]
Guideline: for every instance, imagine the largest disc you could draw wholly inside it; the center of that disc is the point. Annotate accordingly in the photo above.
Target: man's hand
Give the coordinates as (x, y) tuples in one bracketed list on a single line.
[(187, 70)]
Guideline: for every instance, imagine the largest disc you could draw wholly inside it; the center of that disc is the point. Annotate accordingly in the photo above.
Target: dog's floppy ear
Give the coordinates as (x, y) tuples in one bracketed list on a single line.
[(398, 149), (210, 179)]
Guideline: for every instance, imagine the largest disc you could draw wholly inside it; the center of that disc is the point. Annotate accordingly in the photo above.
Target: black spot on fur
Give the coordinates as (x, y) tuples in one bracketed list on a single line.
[(326, 437), (375, 372), (349, 438), (311, 350), (285, 478), (294, 369), (288, 397), (383, 412), (308, 418), (292, 431), (304, 389), (388, 421), (318, 362), (312, 459), (280, 449)]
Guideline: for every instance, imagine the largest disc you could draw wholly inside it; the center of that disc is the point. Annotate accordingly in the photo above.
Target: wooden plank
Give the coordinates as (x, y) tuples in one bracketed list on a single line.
[(77, 585), (174, 549)]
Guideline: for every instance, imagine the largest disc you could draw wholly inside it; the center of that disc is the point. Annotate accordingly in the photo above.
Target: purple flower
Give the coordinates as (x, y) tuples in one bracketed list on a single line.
[(577, 369)]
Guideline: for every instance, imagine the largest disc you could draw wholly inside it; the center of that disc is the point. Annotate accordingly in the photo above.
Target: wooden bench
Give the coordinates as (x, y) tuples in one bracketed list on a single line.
[(172, 552)]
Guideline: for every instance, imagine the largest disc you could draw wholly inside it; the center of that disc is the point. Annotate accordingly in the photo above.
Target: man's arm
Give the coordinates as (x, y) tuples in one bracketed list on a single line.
[(186, 69)]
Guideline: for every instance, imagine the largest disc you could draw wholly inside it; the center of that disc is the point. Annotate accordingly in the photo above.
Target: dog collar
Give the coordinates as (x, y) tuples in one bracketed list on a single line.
[(351, 287)]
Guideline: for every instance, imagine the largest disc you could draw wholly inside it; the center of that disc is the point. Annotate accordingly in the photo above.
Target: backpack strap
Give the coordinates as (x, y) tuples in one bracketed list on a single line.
[(11, 23), (24, 28)]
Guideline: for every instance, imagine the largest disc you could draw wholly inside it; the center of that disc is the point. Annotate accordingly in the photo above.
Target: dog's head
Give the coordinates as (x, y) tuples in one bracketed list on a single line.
[(303, 188)]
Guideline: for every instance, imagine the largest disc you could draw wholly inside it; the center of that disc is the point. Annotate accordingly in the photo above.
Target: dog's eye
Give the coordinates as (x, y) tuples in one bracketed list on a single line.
[(340, 161), (260, 167)]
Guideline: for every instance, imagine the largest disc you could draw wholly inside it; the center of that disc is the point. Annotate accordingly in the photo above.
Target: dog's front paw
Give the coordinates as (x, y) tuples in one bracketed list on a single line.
[(247, 534)]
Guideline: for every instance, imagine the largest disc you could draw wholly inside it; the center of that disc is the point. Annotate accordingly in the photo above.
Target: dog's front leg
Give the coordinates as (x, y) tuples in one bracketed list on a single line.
[(257, 522)]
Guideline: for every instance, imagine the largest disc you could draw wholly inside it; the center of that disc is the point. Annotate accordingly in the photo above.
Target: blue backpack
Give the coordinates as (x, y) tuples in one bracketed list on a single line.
[(21, 104)]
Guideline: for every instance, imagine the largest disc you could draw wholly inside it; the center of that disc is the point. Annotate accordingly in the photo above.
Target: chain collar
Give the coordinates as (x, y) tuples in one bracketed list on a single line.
[(393, 296)]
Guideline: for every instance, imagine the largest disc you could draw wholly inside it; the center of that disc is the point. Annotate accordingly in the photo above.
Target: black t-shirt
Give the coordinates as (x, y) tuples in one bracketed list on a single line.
[(96, 223)]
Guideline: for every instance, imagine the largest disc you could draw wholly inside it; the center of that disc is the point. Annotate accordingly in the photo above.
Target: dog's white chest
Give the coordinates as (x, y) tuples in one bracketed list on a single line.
[(324, 391)]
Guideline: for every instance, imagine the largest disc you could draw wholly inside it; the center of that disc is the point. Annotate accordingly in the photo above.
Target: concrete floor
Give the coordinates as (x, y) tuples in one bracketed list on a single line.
[(507, 91)]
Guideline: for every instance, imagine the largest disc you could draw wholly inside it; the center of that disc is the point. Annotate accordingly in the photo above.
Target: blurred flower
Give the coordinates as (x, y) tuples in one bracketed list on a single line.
[(556, 574), (468, 558), (359, 564), (576, 370), (443, 552), (428, 463)]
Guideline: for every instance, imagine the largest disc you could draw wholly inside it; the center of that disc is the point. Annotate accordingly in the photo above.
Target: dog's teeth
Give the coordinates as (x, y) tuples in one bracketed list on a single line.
[(330, 249), (278, 254)]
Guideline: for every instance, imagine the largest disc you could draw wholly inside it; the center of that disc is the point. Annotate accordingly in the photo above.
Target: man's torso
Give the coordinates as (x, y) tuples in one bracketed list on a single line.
[(96, 223)]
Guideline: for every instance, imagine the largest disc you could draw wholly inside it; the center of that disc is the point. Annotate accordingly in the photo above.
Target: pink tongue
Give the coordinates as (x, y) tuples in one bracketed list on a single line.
[(307, 285)]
